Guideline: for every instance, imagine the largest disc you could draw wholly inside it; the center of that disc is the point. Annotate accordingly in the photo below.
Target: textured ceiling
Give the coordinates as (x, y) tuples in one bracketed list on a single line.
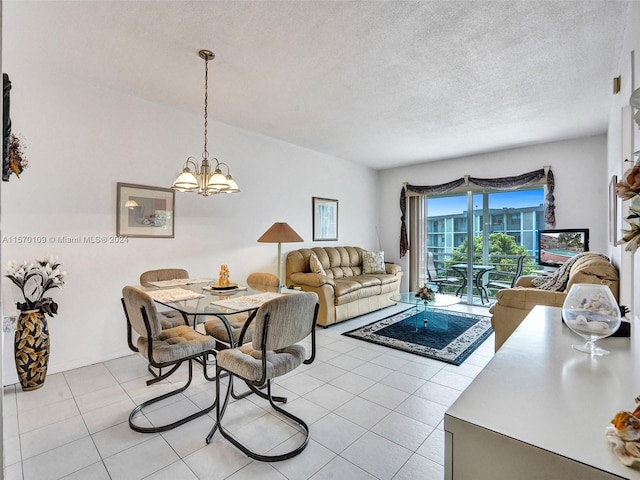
[(382, 83)]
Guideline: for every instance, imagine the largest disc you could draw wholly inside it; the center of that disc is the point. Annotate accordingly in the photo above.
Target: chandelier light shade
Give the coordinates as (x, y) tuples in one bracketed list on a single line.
[(280, 232), (200, 178)]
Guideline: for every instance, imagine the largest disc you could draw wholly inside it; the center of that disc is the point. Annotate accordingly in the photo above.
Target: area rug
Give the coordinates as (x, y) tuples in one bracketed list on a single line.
[(446, 336)]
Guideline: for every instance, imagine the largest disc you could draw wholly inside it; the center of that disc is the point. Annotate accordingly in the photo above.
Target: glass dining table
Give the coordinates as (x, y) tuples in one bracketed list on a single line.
[(193, 300), (200, 299)]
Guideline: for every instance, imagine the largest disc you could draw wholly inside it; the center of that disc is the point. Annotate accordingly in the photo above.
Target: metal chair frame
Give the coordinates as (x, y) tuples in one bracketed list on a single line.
[(439, 281), (500, 285)]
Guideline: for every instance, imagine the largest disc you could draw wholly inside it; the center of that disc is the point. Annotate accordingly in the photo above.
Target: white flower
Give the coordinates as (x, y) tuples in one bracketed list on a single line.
[(34, 280)]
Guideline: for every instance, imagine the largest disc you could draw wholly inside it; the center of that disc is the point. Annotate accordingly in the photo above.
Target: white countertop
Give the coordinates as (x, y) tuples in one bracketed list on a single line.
[(539, 390)]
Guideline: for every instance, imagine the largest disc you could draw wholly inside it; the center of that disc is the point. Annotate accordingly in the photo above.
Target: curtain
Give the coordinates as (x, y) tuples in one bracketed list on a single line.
[(416, 235), (504, 183), (549, 202), (404, 242)]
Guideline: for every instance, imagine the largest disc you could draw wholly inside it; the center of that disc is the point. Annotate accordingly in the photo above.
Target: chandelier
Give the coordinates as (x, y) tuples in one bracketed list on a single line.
[(201, 178)]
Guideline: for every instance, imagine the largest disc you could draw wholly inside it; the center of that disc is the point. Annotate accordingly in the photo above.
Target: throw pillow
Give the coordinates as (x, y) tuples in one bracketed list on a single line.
[(373, 262), (315, 265)]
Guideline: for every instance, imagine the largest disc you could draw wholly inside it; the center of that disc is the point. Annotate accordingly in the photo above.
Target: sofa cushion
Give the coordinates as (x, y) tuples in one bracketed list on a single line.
[(340, 262), (345, 286), (315, 265), (383, 278), (373, 262), (349, 290)]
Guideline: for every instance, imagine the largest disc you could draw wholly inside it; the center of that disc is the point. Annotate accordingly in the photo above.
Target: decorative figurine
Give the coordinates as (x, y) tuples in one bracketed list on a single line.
[(223, 276)]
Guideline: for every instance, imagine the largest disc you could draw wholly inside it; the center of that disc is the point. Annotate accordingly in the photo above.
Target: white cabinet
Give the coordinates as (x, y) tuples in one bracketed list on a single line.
[(539, 409)]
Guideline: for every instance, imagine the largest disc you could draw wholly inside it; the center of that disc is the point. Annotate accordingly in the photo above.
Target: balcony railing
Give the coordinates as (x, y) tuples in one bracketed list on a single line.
[(502, 263)]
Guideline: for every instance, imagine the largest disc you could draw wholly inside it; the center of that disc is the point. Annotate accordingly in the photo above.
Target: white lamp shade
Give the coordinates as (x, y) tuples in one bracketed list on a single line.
[(233, 186), (218, 181), (186, 182)]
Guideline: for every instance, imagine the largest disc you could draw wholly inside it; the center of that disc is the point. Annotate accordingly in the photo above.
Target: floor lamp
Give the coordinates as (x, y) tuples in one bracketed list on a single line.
[(280, 232)]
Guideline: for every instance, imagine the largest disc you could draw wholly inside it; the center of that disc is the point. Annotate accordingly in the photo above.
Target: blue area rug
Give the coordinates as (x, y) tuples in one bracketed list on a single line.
[(439, 334)]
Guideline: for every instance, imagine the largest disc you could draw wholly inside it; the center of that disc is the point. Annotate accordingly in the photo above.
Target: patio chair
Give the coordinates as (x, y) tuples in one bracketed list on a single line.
[(433, 277), (499, 279)]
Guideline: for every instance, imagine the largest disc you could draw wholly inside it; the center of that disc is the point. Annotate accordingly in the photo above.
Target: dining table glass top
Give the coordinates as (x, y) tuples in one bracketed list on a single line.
[(197, 299)]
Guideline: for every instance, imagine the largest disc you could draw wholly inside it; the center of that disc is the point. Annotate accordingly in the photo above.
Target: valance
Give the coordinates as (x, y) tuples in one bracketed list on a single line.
[(504, 183)]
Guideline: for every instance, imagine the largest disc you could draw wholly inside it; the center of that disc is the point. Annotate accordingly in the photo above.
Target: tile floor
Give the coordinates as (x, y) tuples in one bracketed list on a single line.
[(374, 413)]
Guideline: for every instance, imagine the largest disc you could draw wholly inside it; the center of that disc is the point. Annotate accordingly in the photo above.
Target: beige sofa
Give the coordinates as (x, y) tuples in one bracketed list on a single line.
[(513, 304), (344, 291)]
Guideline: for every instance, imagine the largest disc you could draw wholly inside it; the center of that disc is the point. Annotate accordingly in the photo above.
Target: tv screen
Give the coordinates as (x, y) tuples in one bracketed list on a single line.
[(557, 246)]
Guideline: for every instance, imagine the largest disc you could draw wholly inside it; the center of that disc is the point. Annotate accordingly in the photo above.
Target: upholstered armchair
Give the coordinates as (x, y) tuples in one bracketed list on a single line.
[(514, 304)]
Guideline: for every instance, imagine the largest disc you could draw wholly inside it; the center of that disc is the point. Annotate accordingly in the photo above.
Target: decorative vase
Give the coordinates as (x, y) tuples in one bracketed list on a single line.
[(591, 311), (31, 349)]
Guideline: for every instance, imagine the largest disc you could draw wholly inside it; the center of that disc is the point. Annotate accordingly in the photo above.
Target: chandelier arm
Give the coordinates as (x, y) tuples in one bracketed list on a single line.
[(219, 164), (192, 161)]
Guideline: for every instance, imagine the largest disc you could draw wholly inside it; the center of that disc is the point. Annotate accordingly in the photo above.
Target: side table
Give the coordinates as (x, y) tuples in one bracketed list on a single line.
[(442, 300)]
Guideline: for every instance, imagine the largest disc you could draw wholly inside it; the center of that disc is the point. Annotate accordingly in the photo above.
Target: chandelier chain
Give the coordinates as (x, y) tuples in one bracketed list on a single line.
[(205, 154)]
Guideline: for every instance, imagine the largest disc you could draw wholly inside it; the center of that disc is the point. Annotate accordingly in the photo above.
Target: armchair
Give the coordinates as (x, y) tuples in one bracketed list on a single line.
[(514, 304)]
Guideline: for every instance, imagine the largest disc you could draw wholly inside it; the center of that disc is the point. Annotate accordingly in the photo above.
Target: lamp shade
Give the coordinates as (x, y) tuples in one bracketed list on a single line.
[(280, 232), (218, 181), (186, 181)]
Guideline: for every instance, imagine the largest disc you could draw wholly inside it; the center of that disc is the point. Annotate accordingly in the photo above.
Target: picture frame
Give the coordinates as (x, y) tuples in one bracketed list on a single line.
[(144, 211), (325, 219), (613, 211)]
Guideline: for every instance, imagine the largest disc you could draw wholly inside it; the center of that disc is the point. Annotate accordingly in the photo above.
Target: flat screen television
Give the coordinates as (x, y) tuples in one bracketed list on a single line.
[(557, 246)]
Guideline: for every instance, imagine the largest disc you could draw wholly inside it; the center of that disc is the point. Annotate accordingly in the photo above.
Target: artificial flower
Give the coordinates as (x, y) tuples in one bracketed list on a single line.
[(630, 186), (427, 294), (34, 280)]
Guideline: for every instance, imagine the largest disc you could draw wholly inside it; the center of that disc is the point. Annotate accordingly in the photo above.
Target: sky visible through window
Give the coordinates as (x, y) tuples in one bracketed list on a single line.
[(458, 204)]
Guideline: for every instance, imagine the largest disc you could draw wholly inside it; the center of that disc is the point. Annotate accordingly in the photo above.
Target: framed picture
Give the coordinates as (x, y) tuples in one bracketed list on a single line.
[(613, 211), (144, 211), (325, 219)]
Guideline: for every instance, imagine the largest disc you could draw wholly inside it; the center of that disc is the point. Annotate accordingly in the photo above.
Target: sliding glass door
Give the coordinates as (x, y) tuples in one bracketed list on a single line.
[(470, 235)]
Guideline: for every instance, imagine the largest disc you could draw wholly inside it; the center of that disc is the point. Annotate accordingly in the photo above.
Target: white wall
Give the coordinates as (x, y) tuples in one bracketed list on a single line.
[(623, 140), (82, 140), (579, 169)]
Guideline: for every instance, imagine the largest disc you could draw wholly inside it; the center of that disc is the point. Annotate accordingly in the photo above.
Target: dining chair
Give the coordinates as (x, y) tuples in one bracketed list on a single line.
[(500, 279), (433, 277), (172, 318), (279, 325), (219, 329), (169, 318), (162, 274), (168, 348), (265, 282)]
